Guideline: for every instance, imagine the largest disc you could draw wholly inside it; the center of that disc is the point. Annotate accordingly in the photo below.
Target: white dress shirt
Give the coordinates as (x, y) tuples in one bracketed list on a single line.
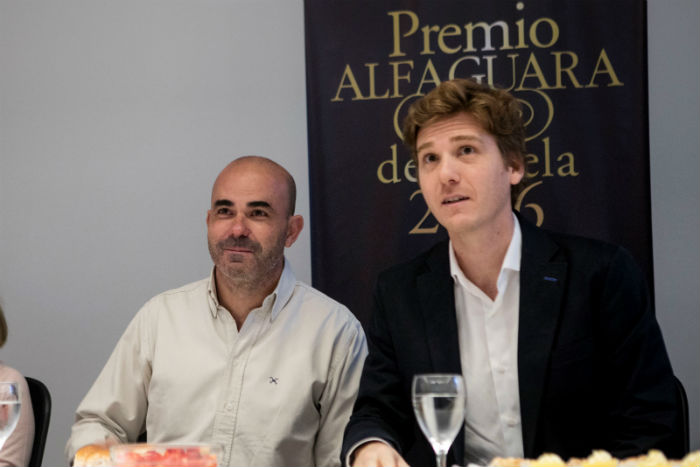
[(278, 392), (488, 344)]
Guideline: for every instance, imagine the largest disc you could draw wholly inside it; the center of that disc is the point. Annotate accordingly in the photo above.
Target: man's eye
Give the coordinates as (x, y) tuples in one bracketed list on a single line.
[(466, 150), (258, 213), (429, 158), (223, 211)]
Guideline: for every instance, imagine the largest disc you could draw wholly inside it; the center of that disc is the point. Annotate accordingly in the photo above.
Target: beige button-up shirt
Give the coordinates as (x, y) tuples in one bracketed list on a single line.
[(278, 392)]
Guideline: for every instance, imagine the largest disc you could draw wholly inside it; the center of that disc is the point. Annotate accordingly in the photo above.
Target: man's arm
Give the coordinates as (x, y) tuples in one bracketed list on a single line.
[(340, 393), (643, 409), (114, 409), (382, 410)]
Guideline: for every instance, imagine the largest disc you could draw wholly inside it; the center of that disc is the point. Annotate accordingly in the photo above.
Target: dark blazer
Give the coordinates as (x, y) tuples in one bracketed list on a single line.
[(592, 366)]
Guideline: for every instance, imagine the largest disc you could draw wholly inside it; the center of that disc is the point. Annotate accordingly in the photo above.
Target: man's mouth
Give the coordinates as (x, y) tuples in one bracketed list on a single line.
[(236, 249), (454, 199), (239, 245)]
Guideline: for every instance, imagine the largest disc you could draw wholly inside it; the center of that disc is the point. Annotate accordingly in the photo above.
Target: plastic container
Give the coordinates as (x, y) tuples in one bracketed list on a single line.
[(165, 455)]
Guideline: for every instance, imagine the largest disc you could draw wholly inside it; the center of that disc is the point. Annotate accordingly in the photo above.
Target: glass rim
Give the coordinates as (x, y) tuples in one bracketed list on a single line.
[(439, 375)]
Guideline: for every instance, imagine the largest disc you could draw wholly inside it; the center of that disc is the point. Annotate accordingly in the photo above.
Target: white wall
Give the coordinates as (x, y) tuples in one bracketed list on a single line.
[(674, 141), (115, 117)]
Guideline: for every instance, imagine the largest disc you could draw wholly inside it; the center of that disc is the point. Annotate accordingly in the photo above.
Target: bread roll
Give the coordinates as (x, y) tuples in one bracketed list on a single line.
[(92, 455)]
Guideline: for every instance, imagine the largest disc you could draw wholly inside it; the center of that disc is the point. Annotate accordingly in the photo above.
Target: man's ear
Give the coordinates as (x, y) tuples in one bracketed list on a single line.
[(517, 167), (295, 224)]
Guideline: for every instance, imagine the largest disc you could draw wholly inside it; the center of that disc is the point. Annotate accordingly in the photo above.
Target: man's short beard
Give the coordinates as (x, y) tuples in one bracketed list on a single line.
[(264, 262)]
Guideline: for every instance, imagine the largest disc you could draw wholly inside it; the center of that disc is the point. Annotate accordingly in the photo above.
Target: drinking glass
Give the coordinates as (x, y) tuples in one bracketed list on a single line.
[(438, 401), (9, 410)]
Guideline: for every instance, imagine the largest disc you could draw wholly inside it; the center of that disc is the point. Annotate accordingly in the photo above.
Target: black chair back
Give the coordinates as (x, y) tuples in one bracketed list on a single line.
[(41, 402), (683, 436)]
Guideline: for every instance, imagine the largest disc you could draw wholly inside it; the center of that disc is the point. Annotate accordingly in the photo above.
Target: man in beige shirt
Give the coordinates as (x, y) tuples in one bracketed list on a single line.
[(250, 358)]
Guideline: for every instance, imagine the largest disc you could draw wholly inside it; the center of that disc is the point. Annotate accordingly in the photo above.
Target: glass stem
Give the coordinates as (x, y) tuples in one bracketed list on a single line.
[(441, 459)]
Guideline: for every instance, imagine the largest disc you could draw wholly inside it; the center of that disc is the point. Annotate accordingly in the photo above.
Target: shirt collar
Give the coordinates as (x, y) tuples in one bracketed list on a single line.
[(515, 249), (283, 291), (276, 300), (511, 260)]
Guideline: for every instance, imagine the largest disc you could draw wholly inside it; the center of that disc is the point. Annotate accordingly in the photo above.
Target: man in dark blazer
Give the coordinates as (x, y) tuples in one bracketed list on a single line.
[(581, 346)]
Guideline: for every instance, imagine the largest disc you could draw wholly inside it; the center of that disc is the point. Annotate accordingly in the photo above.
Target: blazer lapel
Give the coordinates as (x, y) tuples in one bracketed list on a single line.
[(542, 282), (437, 304)]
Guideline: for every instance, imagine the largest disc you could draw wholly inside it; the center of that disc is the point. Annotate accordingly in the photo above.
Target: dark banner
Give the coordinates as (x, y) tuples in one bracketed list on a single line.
[(579, 69)]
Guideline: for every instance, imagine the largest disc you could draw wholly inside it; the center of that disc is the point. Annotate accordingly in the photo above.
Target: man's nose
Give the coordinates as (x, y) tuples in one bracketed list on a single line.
[(239, 227), (448, 170)]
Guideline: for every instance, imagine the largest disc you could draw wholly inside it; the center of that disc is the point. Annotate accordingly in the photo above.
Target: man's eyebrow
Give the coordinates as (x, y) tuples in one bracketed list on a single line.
[(222, 202), (251, 204), (259, 204), (423, 146), (428, 144), (466, 137)]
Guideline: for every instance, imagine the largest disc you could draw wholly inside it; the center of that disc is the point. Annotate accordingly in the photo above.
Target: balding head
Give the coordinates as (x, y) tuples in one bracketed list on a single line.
[(270, 166), (249, 224)]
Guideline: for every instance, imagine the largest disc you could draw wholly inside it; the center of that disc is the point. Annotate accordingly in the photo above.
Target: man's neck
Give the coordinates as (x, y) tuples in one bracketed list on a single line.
[(242, 298), (480, 253)]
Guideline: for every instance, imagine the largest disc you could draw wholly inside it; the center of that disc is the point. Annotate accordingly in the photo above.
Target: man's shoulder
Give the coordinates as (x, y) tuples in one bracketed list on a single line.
[(577, 246), (581, 253), (196, 290), (316, 300), (435, 258)]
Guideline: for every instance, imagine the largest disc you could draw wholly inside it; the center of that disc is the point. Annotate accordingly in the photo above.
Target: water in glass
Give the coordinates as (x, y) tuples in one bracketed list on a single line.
[(438, 402)]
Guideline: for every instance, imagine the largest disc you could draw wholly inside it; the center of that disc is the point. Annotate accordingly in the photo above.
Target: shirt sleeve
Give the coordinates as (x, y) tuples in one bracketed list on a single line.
[(17, 450), (340, 393), (114, 409)]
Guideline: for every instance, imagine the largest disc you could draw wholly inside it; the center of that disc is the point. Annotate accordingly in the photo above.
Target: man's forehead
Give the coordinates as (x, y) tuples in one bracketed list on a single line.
[(248, 185), (462, 125)]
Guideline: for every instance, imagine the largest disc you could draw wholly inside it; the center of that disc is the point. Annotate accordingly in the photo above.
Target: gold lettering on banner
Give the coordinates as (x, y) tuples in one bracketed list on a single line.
[(486, 28), (476, 60), (433, 79), (351, 83), (565, 168), (409, 171), (398, 77), (396, 21), (535, 73), (420, 228), (451, 30), (393, 165), (569, 70), (426, 39), (372, 80), (553, 31), (518, 54), (607, 70), (539, 212)]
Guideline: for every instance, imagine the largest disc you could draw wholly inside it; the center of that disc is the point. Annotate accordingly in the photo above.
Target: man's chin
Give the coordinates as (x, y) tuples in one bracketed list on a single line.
[(236, 257), (234, 270)]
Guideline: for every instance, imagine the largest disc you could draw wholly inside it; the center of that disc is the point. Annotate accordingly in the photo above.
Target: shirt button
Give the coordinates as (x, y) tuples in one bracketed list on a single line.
[(229, 406), (510, 420)]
